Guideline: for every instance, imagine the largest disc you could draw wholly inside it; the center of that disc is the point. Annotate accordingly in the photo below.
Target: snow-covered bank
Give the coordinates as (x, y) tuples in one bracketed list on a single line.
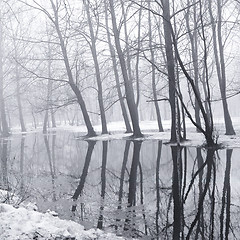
[(194, 139), (150, 131), (23, 224)]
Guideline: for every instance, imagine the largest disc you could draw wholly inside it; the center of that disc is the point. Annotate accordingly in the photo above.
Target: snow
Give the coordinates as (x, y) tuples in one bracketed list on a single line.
[(194, 139), (24, 224), (150, 131)]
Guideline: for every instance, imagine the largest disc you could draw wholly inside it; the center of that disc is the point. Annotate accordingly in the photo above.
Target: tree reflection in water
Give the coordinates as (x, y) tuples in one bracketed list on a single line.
[(103, 183), (22, 192), (121, 185), (131, 214), (137, 189), (4, 185), (51, 160), (158, 188), (226, 198), (84, 174)]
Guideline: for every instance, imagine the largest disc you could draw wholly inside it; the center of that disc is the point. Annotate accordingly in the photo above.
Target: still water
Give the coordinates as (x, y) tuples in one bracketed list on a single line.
[(147, 189)]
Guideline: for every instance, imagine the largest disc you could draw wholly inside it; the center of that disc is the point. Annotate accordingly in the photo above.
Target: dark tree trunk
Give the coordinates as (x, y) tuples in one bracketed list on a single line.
[(154, 88), (97, 70), (206, 113), (127, 56), (194, 52), (114, 62), (127, 81), (138, 56), (170, 67), (220, 64)]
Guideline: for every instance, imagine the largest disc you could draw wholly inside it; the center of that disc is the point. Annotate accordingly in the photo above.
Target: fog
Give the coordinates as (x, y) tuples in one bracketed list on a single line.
[(52, 51)]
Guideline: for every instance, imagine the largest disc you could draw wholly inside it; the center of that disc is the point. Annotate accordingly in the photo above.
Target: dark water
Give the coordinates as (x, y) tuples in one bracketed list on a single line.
[(147, 190)]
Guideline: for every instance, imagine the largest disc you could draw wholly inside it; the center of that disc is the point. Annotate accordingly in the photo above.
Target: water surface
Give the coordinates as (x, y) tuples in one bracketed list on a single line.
[(143, 189)]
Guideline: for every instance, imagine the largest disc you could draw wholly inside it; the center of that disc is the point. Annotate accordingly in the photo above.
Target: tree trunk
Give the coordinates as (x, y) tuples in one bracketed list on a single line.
[(127, 82), (49, 90), (74, 87), (97, 70), (126, 41), (207, 116), (138, 56), (45, 121), (194, 52), (170, 67), (114, 62), (52, 115), (23, 128), (159, 119), (220, 64)]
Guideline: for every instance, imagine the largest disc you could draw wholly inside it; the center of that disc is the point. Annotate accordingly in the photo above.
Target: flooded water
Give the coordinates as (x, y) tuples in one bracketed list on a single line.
[(147, 189)]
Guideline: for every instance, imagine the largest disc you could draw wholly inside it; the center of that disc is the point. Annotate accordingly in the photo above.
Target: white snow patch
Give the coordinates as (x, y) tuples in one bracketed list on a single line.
[(24, 224)]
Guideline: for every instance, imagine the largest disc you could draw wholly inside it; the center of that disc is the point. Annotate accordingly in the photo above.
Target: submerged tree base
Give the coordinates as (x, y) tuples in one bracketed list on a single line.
[(228, 133)]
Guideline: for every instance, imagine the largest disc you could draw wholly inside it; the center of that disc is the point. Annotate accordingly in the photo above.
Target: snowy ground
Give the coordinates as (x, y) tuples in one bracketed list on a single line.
[(24, 224), (149, 129)]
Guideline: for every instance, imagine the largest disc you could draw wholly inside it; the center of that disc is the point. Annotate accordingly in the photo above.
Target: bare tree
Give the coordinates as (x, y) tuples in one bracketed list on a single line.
[(193, 36), (170, 68), (153, 70), (92, 43), (218, 47), (55, 20), (116, 74), (127, 81)]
